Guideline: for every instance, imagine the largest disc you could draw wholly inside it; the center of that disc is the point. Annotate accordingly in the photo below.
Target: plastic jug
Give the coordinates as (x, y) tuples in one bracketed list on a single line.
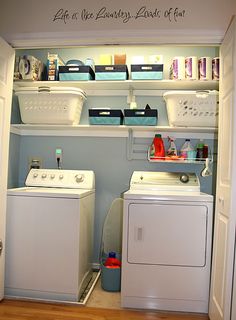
[(185, 148), (157, 150)]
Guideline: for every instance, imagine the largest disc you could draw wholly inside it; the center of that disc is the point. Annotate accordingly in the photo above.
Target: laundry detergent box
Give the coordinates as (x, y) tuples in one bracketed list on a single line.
[(147, 71), (111, 72), (105, 116), (53, 63), (140, 117), (76, 73)]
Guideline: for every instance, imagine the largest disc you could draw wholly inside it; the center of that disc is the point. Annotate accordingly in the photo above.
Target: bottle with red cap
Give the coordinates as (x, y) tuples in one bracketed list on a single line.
[(111, 261), (157, 149)]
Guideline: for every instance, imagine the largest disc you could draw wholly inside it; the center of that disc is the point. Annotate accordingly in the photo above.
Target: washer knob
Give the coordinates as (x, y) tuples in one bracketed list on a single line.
[(44, 175), (52, 176), (61, 176), (35, 175), (79, 178), (184, 178)]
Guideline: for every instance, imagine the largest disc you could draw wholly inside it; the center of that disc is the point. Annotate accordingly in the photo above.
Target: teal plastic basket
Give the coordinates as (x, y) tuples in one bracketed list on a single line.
[(110, 277)]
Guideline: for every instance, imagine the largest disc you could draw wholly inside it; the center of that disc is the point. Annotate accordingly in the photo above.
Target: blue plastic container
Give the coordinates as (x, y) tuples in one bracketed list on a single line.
[(110, 277), (105, 116), (111, 72), (76, 73), (147, 71), (140, 117)]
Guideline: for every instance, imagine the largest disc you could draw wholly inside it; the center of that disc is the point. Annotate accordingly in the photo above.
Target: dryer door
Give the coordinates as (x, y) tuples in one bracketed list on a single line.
[(167, 234)]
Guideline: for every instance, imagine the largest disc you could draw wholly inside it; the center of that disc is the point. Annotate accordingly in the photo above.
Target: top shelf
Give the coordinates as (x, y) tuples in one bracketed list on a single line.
[(126, 85)]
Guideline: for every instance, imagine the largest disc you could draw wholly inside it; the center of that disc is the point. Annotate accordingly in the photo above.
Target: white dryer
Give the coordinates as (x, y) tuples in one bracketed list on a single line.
[(49, 235), (167, 234)]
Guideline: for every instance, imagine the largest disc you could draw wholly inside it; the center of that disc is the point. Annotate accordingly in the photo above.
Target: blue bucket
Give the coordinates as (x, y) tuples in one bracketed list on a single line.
[(110, 277)]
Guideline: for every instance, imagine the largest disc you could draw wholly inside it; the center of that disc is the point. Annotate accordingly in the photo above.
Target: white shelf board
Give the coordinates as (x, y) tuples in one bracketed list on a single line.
[(112, 131), (93, 86)]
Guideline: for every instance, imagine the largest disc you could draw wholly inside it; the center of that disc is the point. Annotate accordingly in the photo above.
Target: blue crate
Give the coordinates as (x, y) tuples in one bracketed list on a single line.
[(111, 72), (76, 73), (105, 117), (140, 117), (147, 71)]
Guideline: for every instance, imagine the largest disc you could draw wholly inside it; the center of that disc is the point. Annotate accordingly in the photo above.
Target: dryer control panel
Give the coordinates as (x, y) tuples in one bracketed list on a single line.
[(164, 181), (54, 178)]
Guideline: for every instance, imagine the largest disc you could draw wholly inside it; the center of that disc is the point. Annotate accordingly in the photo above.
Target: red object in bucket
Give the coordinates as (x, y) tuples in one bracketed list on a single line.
[(112, 267), (112, 261)]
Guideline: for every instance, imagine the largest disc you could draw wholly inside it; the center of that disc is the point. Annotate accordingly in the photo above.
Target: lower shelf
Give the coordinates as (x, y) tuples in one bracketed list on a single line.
[(112, 131)]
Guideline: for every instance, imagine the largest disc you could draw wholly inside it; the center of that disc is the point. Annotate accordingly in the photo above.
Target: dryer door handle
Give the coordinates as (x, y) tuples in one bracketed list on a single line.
[(139, 234), (221, 201)]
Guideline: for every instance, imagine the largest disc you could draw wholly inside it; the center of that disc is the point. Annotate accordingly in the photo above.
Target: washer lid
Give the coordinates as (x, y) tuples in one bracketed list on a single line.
[(164, 181), (50, 192)]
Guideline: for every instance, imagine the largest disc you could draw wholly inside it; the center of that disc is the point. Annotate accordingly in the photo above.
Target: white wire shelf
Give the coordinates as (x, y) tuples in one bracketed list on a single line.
[(180, 160)]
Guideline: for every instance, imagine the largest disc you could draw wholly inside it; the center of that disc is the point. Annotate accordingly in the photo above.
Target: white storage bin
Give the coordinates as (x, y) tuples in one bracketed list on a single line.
[(55, 105), (192, 108)]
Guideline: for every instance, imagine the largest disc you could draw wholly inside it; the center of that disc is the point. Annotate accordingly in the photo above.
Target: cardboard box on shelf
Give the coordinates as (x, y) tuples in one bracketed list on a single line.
[(53, 63)]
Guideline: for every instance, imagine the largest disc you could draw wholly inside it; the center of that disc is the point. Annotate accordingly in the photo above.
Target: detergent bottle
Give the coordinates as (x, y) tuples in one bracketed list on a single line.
[(185, 148), (200, 149), (157, 149)]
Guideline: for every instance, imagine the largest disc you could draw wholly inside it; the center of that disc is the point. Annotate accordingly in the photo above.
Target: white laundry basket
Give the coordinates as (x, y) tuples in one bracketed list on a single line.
[(192, 108), (55, 105)]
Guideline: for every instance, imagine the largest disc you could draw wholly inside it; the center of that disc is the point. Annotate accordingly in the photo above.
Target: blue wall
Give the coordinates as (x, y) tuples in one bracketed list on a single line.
[(105, 155)]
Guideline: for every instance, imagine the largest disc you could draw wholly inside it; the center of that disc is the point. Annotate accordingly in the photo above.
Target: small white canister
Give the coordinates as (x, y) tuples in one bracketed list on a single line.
[(191, 68), (205, 68), (178, 68)]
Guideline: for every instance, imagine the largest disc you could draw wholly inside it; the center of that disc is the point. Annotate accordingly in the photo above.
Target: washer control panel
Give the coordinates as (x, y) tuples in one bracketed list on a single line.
[(54, 178)]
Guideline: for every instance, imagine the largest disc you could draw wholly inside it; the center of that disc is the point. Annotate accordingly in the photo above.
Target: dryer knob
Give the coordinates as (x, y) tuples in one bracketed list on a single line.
[(61, 176), (35, 175), (44, 175), (184, 178), (79, 178)]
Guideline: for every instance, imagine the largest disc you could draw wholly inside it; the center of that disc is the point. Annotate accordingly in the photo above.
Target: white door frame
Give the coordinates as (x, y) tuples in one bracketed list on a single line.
[(7, 57), (225, 214)]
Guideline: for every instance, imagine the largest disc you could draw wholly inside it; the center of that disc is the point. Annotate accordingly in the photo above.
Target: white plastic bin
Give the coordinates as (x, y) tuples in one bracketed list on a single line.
[(192, 108), (50, 105)]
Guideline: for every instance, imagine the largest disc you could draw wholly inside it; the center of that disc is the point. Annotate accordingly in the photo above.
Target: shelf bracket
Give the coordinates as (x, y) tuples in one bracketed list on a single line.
[(129, 146), (137, 148)]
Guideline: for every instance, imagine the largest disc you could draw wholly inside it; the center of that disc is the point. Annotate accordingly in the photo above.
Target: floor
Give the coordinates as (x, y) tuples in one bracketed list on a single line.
[(103, 299), (22, 310), (101, 305), (111, 300)]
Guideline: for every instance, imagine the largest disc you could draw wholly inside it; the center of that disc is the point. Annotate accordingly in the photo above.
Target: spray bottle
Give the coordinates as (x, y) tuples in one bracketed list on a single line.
[(172, 151)]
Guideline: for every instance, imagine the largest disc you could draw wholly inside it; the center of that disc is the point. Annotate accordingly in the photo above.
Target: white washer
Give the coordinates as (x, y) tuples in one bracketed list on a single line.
[(49, 235), (167, 234)]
